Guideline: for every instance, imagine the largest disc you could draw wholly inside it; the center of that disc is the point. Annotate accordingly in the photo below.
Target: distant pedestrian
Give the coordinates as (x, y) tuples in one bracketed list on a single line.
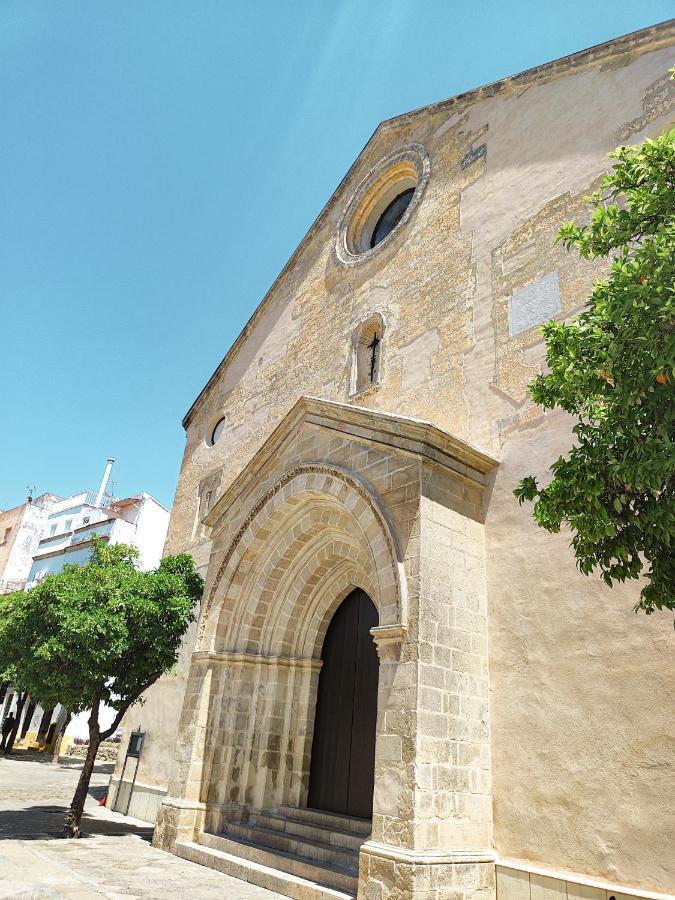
[(7, 727)]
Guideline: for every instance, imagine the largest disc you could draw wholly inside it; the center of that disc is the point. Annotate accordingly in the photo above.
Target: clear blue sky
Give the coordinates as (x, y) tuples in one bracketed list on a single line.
[(160, 161)]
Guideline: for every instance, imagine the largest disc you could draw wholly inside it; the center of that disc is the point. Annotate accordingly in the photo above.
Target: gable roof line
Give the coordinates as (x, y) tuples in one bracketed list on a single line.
[(248, 327), (658, 34)]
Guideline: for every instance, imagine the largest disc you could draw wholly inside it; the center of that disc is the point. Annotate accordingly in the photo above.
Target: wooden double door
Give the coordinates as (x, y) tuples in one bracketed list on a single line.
[(342, 771)]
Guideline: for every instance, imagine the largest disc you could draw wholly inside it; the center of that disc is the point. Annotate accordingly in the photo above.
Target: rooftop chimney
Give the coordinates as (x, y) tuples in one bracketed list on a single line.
[(104, 481)]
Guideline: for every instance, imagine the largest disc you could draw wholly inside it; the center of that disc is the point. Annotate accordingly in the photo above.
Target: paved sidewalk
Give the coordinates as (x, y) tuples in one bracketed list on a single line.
[(113, 860)]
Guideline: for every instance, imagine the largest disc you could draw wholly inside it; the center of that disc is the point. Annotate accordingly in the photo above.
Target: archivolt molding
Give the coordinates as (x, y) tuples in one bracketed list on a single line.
[(269, 496), (304, 588), (333, 587)]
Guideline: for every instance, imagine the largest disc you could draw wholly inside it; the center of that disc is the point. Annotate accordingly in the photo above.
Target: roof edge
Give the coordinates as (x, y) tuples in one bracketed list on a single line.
[(614, 46)]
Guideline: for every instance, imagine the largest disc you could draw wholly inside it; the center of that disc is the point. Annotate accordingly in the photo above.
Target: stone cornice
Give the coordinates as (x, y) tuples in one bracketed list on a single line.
[(414, 437), (388, 640), (654, 37), (444, 857)]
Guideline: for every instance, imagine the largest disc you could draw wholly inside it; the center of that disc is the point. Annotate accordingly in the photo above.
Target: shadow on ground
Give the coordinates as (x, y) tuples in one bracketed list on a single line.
[(45, 759), (39, 823)]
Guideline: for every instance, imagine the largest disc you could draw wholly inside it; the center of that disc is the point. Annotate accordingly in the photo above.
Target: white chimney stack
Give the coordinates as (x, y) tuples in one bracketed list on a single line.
[(104, 480)]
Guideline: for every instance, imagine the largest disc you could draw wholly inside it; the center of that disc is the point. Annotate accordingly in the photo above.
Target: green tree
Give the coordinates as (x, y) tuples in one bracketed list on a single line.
[(98, 633), (613, 368)]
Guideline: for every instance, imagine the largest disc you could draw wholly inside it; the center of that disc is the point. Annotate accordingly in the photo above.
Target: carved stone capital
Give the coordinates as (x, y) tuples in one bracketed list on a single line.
[(388, 640)]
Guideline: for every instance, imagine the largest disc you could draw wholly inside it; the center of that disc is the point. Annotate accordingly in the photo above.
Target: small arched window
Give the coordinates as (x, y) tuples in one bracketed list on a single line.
[(217, 431), (367, 354)]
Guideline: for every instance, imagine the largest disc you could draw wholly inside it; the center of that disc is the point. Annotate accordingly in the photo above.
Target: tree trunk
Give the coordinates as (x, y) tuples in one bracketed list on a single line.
[(58, 739), (73, 818)]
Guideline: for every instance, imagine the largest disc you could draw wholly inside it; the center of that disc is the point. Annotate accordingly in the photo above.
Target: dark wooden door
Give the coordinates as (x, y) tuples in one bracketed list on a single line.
[(342, 771)]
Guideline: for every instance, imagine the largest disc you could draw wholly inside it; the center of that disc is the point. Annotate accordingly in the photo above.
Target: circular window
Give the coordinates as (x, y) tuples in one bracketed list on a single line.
[(383, 203), (391, 216), (217, 431)]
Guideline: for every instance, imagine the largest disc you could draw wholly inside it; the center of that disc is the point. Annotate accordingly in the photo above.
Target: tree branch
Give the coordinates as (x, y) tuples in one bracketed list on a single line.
[(120, 715)]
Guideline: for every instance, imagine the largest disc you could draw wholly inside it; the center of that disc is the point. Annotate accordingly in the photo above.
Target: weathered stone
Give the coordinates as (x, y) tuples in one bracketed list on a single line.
[(315, 498)]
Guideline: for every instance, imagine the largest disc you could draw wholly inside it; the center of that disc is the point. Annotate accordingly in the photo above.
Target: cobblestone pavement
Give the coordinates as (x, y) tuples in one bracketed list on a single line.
[(114, 859)]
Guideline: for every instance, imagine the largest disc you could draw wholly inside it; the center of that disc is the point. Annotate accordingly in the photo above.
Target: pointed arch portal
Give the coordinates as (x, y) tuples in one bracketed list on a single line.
[(290, 707)]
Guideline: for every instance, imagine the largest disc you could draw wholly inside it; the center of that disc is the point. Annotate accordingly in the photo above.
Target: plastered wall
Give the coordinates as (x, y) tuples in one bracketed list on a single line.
[(16, 555), (9, 523), (580, 686)]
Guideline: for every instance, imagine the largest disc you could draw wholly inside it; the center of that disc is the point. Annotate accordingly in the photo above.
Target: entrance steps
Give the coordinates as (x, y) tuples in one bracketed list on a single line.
[(300, 853)]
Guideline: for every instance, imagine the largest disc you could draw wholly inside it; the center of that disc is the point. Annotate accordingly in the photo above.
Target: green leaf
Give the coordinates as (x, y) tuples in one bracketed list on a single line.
[(615, 488)]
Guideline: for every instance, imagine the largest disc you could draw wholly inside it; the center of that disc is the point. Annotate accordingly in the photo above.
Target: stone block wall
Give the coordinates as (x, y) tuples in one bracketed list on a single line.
[(454, 796), (309, 511), (461, 291)]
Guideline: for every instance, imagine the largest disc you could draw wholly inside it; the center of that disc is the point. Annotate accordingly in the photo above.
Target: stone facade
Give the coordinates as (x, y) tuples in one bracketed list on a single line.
[(293, 535), (522, 708)]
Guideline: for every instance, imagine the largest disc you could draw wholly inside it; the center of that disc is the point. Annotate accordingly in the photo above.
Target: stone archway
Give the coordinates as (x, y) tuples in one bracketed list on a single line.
[(292, 536), (307, 502), (304, 545)]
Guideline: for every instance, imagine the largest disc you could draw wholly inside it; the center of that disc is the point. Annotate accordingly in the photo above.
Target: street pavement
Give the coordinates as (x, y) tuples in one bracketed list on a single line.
[(114, 859)]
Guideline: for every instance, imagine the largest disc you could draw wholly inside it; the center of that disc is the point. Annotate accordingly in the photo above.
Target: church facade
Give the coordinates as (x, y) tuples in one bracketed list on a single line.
[(398, 686)]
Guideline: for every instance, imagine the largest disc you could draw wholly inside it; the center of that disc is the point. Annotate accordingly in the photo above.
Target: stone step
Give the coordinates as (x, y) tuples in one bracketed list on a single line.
[(308, 847), (322, 874), (327, 820), (336, 837), (263, 876)]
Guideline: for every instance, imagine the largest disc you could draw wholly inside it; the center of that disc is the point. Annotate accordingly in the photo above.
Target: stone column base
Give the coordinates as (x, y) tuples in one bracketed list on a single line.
[(177, 820), (396, 873)]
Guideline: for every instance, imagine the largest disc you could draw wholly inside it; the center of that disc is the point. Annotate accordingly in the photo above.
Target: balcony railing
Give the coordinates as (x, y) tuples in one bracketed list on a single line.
[(106, 500), (84, 532)]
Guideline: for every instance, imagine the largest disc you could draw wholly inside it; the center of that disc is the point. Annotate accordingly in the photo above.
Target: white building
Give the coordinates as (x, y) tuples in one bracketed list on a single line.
[(21, 529), (44, 535), (140, 521)]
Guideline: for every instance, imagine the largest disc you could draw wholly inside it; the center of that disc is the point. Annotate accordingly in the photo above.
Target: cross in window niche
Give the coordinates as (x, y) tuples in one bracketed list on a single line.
[(372, 346)]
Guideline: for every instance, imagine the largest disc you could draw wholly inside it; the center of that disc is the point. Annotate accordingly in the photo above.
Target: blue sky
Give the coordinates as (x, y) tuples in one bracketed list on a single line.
[(160, 161)]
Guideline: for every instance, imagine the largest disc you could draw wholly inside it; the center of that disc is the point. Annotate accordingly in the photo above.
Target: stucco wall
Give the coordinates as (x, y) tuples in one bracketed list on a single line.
[(150, 532), (9, 519), (579, 684), (582, 694), (27, 523), (158, 718)]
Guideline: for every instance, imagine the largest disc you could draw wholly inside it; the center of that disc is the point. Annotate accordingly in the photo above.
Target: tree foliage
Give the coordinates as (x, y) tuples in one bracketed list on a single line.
[(100, 633), (613, 368)]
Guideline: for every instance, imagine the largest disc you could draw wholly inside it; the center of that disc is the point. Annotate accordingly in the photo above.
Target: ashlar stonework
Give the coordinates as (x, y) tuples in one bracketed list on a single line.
[(523, 737), (292, 536)]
